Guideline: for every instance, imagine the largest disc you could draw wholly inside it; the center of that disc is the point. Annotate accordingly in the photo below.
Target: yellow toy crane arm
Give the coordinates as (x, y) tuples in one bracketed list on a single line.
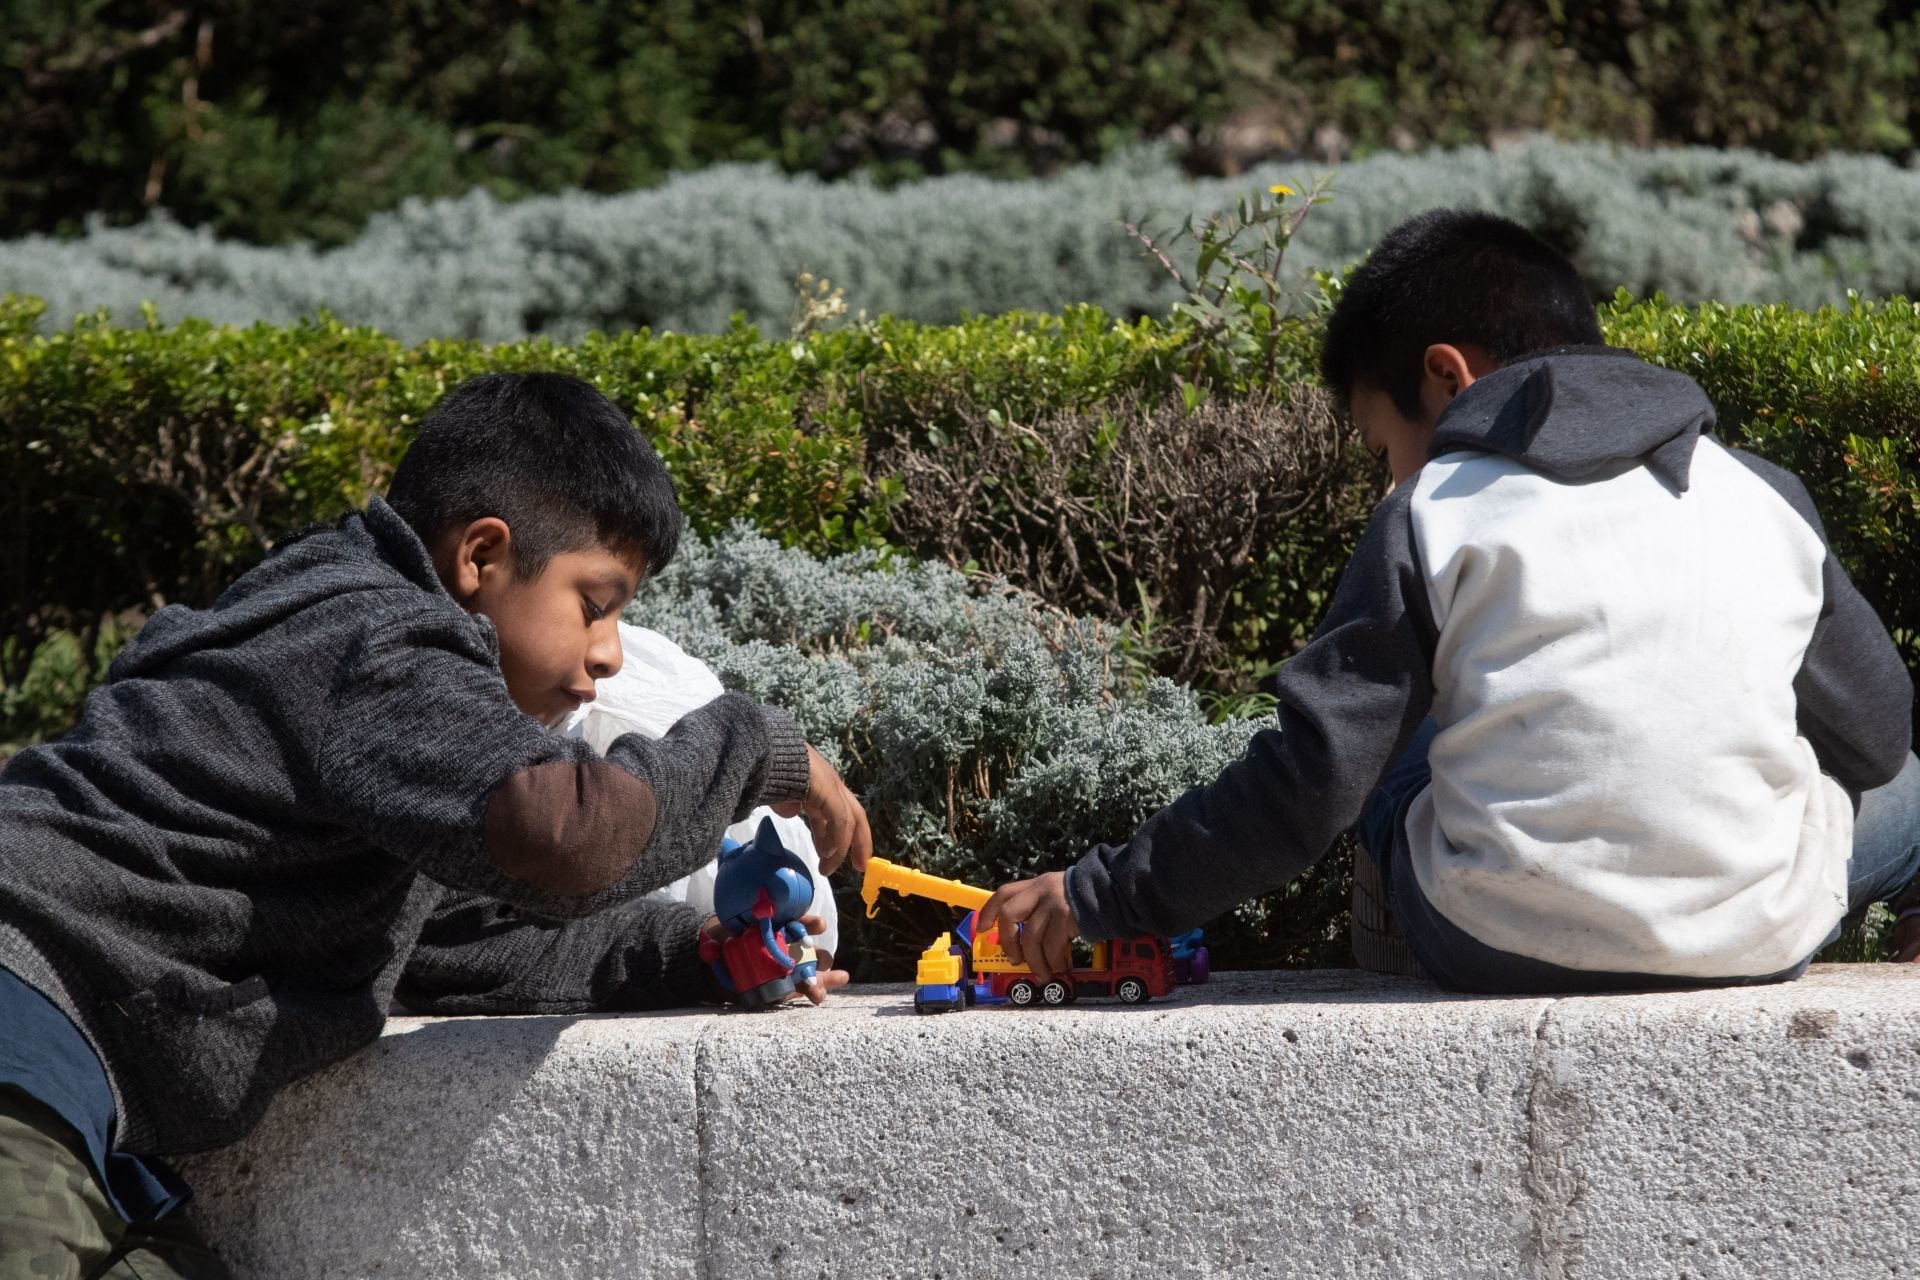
[(907, 882)]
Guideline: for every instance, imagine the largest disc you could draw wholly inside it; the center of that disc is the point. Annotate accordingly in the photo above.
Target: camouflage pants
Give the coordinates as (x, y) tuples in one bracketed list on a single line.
[(56, 1222)]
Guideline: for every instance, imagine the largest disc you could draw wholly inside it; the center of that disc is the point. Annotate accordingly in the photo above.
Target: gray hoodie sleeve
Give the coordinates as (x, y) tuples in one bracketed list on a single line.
[(479, 955), (1349, 704), (1854, 693), (427, 757)]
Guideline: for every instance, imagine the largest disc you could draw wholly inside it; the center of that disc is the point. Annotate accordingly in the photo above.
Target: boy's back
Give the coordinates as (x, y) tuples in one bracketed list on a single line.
[(204, 808), (1622, 607)]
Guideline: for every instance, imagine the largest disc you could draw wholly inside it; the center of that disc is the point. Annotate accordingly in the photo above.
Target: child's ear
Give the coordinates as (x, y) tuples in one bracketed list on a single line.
[(1447, 365), (481, 555), (1448, 370)]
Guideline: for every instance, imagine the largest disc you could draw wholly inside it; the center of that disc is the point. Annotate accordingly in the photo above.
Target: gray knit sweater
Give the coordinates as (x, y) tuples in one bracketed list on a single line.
[(222, 873)]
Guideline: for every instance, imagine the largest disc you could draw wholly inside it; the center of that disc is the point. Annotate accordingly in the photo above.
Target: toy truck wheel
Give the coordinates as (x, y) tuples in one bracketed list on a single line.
[(1021, 993), (1056, 993), (1131, 991)]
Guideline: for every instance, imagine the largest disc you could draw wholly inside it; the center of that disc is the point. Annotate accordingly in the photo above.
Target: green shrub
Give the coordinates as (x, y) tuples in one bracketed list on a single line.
[(991, 735), (128, 451), (1790, 77), (54, 680), (275, 122)]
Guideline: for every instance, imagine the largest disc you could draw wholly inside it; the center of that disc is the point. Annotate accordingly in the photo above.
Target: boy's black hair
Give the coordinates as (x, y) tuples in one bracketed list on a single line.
[(548, 454), (1457, 276)]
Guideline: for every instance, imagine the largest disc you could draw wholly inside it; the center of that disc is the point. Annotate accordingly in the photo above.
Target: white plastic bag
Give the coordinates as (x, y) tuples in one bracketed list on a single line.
[(658, 683)]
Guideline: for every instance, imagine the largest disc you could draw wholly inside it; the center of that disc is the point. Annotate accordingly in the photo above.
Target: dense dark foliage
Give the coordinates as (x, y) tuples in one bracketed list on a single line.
[(272, 122)]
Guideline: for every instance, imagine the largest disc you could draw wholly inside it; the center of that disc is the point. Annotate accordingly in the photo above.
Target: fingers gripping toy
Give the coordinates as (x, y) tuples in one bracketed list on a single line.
[(760, 892)]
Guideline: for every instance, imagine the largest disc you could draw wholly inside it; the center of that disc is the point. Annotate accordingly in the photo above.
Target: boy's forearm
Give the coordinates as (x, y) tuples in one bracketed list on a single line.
[(1213, 848), (714, 767), (479, 956), (1349, 704)]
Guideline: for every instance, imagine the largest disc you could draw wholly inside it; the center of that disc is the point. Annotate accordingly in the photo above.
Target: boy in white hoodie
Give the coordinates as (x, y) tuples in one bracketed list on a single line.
[(1608, 711)]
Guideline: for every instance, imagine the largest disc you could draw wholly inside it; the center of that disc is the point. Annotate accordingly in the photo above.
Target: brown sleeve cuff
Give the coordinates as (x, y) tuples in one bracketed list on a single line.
[(787, 765)]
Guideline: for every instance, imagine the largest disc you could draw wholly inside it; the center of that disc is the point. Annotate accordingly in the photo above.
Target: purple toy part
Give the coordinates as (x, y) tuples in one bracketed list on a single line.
[(1200, 968), (1192, 964)]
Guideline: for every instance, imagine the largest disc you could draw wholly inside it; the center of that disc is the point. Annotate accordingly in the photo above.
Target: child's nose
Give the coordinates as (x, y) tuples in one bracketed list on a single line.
[(604, 656)]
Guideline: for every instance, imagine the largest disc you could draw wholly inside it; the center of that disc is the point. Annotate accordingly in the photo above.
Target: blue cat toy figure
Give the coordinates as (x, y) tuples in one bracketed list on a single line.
[(760, 892)]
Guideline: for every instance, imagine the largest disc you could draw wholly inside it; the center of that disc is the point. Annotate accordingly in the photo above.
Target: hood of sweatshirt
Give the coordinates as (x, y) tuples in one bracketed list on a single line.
[(1580, 413), (370, 550)]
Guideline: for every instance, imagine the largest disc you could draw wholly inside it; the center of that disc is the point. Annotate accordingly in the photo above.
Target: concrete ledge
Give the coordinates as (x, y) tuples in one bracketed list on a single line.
[(1318, 1124)]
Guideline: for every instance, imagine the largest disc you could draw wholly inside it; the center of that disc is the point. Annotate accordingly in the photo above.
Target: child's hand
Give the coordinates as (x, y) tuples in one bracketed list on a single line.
[(1039, 923), (829, 979), (838, 823)]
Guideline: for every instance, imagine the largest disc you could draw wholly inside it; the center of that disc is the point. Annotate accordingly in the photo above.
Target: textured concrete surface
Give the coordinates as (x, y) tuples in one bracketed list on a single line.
[(1768, 1132), (1325, 1124), (522, 1148)]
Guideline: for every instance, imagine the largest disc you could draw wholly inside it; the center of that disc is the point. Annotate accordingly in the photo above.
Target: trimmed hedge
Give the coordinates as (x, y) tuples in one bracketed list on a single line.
[(152, 463)]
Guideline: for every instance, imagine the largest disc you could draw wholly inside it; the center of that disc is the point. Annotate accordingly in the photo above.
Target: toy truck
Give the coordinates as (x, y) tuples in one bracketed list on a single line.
[(960, 969)]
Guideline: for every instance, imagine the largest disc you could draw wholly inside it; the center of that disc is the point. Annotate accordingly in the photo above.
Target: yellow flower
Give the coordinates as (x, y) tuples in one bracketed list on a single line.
[(1280, 189)]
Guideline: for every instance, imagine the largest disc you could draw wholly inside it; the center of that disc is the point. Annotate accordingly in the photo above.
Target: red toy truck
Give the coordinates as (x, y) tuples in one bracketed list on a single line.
[(959, 969)]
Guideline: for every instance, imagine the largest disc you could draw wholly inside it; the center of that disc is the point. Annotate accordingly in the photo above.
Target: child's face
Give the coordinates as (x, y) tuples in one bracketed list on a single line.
[(1401, 442), (559, 632), (1388, 434)]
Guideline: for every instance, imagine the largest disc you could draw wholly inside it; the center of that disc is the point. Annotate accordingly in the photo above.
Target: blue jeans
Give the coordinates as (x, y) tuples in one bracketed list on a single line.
[(1886, 858)]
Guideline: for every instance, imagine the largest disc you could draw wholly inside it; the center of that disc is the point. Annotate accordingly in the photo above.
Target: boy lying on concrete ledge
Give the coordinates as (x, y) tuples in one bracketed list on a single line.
[(1608, 712), (212, 886)]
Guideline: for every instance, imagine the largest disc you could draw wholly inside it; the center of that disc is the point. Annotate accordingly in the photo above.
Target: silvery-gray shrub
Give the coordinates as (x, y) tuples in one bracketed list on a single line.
[(990, 735), (1696, 223)]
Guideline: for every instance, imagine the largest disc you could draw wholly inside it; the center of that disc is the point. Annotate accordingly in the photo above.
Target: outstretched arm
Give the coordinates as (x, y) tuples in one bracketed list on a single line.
[(480, 955), (1349, 704), (427, 757)]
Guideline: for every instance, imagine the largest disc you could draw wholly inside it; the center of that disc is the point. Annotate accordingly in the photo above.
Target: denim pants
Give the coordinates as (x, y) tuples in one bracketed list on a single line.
[(1886, 858)]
